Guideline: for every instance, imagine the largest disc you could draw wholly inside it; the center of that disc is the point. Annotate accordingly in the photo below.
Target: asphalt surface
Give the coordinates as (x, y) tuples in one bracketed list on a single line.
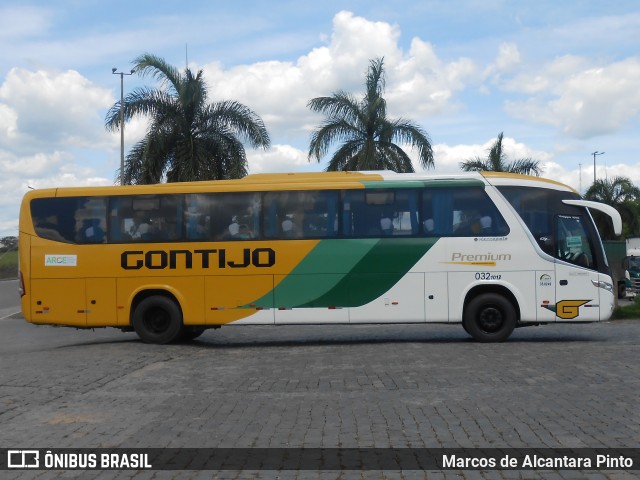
[(557, 386), (9, 298)]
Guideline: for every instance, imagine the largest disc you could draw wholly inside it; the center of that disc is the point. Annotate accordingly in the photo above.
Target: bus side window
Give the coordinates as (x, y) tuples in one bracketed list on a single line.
[(91, 220), (380, 213), (301, 214), (146, 218), (196, 220), (460, 212), (235, 216), (70, 219), (92, 231), (437, 212)]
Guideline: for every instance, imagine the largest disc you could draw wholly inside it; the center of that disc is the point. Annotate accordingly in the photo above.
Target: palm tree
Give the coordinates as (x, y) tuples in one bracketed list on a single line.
[(188, 138), (621, 194), (497, 162), (367, 134)]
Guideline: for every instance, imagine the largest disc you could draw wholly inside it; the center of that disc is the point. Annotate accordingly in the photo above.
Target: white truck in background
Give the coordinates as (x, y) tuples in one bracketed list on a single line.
[(632, 264)]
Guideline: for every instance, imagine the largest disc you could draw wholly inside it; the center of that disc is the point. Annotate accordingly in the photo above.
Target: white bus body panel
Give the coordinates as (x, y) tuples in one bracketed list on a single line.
[(402, 303)]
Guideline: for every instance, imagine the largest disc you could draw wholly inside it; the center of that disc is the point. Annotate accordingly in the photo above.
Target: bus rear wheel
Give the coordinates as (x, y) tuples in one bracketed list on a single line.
[(490, 317), (158, 319)]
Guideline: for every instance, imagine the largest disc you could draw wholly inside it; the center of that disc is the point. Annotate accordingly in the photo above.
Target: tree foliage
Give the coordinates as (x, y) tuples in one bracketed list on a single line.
[(621, 194), (496, 161), (188, 138), (368, 139), (8, 243)]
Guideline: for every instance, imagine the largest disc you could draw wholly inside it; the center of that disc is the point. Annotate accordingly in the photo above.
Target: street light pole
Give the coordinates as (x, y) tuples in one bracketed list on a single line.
[(594, 163), (122, 74), (580, 188)]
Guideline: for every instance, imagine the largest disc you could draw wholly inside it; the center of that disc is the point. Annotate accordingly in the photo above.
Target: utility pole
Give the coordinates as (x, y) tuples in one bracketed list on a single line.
[(122, 74), (594, 163), (580, 187)]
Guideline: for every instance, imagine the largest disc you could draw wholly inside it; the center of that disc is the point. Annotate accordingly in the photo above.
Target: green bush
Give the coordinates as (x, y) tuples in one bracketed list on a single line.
[(628, 311), (9, 264)]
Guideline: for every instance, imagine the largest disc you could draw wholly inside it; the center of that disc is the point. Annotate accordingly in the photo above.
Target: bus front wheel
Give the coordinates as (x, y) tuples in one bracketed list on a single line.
[(158, 319), (490, 317)]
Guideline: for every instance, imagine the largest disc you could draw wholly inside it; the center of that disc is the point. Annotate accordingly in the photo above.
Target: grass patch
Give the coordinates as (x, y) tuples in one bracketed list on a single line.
[(9, 264), (628, 311)]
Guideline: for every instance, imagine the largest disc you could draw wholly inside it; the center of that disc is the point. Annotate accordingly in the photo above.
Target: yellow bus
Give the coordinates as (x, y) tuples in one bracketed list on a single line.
[(491, 251)]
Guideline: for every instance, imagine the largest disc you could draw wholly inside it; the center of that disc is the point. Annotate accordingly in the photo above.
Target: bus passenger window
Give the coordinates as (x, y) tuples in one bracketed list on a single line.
[(467, 212), (48, 227), (222, 216), (146, 218), (301, 214), (70, 219), (195, 222), (380, 213), (93, 231)]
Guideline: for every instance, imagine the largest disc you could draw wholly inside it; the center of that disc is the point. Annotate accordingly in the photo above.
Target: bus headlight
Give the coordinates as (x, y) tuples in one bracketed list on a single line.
[(606, 285)]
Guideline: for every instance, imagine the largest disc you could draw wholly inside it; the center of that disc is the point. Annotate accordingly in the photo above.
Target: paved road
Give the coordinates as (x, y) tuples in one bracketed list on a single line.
[(349, 386), (9, 298)]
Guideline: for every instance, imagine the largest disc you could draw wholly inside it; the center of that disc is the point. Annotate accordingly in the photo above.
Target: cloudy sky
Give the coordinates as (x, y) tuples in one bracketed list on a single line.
[(560, 79)]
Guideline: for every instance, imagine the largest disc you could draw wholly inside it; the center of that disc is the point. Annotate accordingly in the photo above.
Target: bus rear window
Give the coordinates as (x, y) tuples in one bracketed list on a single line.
[(70, 219)]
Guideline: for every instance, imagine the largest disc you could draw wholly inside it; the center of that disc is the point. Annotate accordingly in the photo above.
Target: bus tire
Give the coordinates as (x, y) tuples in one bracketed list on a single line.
[(490, 317), (158, 319)]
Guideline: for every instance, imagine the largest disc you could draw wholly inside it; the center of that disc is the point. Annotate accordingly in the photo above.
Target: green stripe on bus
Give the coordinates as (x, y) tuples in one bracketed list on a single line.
[(317, 273), (379, 270), (347, 273)]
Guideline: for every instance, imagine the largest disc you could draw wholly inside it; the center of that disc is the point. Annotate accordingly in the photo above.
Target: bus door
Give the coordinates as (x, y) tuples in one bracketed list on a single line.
[(577, 298)]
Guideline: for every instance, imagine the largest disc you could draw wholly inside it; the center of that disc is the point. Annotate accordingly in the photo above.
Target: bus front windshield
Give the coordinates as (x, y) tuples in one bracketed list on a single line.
[(565, 232)]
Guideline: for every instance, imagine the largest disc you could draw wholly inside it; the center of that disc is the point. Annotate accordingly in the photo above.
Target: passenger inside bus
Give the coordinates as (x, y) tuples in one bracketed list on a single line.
[(93, 233), (244, 233)]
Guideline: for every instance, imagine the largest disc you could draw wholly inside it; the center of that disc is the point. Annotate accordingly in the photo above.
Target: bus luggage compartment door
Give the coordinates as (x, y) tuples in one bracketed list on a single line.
[(101, 302), (59, 301), (403, 302)]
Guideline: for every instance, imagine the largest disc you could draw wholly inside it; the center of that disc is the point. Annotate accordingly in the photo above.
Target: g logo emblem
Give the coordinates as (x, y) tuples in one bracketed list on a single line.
[(569, 309)]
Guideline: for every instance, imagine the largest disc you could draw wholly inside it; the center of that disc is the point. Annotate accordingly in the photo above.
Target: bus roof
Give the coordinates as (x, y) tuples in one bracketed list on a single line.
[(505, 178), (310, 180)]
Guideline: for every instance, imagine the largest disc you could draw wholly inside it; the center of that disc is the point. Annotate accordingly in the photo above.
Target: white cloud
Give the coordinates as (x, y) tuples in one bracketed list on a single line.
[(417, 81), (423, 84), (51, 126), (53, 109), (8, 123), (279, 158), (447, 158), (582, 103), (508, 57), (508, 60), (37, 164)]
